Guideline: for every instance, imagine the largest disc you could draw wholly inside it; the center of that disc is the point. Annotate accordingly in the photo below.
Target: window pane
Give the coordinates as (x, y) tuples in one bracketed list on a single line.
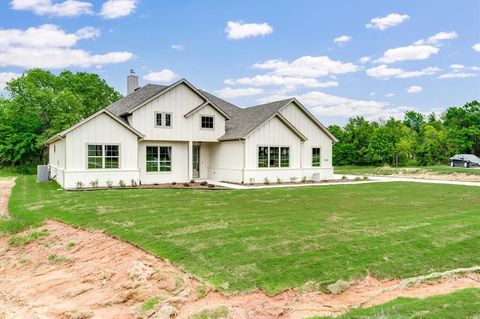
[(274, 157), (159, 119), (168, 119), (165, 166), (94, 150), (263, 156), (152, 153), (207, 121), (94, 162), (111, 150), (152, 166), (316, 157), (111, 162), (165, 159), (285, 157)]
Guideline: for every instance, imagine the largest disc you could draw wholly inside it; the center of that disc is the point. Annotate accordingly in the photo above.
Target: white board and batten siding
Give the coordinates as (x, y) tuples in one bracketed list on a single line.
[(100, 130), (178, 102), (57, 159), (227, 161)]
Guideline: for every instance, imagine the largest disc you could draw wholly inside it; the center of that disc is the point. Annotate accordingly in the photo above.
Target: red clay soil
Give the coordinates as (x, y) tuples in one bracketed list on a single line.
[(76, 274)]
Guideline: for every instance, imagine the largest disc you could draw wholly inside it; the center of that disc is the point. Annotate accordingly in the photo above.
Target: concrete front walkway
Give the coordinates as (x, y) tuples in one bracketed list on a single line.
[(371, 179)]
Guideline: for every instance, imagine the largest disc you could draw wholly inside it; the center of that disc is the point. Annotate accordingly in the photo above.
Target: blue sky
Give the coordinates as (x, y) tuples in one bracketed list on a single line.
[(417, 55)]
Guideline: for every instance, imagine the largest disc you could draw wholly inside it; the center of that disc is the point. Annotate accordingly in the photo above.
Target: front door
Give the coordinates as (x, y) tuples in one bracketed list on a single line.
[(196, 161)]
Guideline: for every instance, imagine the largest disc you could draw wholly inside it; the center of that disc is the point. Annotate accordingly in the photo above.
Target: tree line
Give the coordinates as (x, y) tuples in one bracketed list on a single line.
[(417, 139), (40, 104)]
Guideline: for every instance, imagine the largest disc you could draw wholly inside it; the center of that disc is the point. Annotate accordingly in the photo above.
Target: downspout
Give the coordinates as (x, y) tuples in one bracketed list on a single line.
[(244, 160)]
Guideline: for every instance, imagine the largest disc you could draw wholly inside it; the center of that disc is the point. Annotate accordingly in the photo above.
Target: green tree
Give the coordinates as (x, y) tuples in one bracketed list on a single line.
[(41, 104), (463, 127)]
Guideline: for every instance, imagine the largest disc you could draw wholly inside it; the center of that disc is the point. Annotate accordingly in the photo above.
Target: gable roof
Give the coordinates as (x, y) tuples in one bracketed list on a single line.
[(119, 120)]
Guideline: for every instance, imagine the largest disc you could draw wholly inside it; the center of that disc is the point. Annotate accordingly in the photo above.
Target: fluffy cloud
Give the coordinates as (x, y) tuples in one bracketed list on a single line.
[(307, 66), (383, 23), (66, 8), (231, 93), (238, 30), (435, 39), (411, 52), (476, 47), (390, 94), (178, 46), (384, 72), (453, 75), (342, 39), (48, 46), (165, 75), (457, 66), (277, 80), (6, 77), (414, 89), (113, 9), (364, 59)]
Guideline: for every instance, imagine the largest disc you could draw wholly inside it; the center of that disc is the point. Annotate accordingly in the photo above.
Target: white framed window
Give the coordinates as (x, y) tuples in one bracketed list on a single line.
[(316, 157), (103, 156), (273, 156), (163, 119), (158, 158), (207, 121)]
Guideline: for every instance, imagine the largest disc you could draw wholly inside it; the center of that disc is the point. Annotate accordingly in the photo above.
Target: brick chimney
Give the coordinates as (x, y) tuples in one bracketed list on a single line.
[(132, 82)]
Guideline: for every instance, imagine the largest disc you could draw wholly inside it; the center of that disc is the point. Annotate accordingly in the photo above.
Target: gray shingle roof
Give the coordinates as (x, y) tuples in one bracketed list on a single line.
[(130, 101), (242, 120)]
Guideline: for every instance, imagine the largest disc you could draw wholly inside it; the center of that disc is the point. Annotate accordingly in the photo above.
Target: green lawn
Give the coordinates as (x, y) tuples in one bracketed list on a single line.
[(274, 239), (464, 304), (375, 170)]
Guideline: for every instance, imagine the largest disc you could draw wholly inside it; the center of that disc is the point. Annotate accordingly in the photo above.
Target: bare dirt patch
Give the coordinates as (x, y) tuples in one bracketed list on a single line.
[(458, 177), (6, 185), (74, 273)]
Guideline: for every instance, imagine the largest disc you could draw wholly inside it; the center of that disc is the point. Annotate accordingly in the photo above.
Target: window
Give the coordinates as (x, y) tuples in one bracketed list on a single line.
[(207, 121), (103, 156), (273, 156), (159, 159), (316, 157), (163, 119)]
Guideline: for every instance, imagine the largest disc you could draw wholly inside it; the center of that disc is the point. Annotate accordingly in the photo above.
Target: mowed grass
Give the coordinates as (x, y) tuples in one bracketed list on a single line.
[(275, 239), (463, 304), (387, 170)]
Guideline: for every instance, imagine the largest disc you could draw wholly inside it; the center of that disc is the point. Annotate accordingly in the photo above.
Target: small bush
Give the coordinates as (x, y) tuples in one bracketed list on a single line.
[(186, 184), (304, 179), (121, 183), (133, 182), (192, 181), (204, 183), (266, 181), (174, 183), (211, 186), (293, 179), (344, 177), (358, 178), (79, 185), (252, 181), (94, 183), (279, 180), (109, 183), (365, 178)]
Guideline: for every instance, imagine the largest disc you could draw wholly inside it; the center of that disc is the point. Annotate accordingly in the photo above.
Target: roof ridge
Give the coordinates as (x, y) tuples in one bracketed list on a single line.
[(269, 103)]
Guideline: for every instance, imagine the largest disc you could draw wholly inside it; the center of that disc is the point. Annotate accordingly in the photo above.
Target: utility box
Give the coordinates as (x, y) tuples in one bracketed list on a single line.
[(316, 177), (42, 173)]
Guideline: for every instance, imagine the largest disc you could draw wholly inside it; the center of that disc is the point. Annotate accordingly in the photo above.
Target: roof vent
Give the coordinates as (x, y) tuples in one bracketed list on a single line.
[(132, 82)]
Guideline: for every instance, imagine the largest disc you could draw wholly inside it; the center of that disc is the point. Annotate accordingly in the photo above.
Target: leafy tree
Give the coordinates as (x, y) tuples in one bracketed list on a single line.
[(463, 127), (414, 120), (41, 104)]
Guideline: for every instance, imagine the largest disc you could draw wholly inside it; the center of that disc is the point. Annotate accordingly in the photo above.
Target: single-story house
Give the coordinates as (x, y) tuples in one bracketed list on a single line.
[(176, 133)]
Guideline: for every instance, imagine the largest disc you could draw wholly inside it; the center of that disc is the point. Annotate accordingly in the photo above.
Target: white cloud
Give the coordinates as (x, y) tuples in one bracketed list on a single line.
[(411, 52), (364, 59), (342, 39), (113, 9), (48, 46), (457, 66), (6, 77), (475, 68), (384, 72), (238, 30), (372, 93), (165, 75), (453, 75), (230, 93), (178, 46), (383, 23), (414, 89), (390, 94), (435, 39), (307, 66), (476, 47), (277, 80), (66, 8)]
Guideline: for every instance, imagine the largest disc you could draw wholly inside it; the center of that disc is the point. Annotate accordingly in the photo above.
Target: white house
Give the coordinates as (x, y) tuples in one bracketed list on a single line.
[(176, 133)]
